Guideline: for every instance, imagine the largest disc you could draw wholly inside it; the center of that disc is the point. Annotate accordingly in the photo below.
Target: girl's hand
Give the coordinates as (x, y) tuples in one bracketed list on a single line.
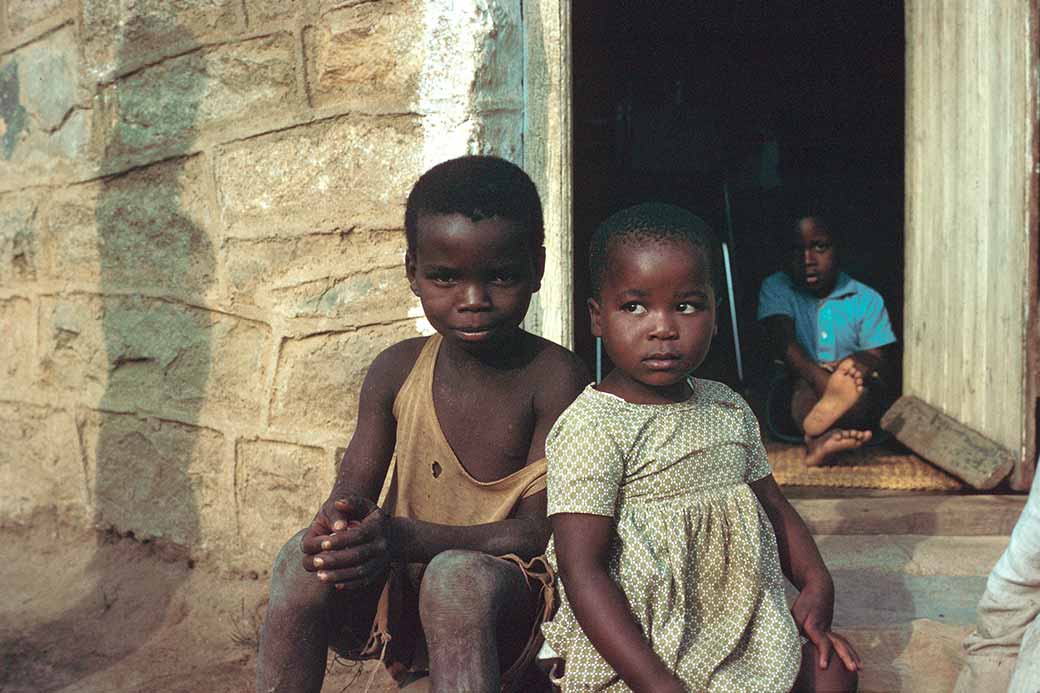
[(813, 611), (843, 648)]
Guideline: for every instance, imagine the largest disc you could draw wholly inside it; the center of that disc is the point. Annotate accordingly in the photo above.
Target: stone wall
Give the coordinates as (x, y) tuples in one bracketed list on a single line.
[(201, 205)]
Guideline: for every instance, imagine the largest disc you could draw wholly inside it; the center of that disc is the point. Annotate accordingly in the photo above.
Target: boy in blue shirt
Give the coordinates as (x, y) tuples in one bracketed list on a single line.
[(831, 332)]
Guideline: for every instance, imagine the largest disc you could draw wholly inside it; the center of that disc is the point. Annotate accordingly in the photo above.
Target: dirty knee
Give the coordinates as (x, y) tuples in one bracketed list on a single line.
[(462, 586), (292, 586)]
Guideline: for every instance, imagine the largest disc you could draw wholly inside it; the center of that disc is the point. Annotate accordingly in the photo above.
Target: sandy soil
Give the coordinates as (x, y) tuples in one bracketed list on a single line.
[(82, 612)]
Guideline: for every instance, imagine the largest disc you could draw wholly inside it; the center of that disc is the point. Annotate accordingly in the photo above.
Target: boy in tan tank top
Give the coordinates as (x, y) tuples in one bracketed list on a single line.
[(443, 572)]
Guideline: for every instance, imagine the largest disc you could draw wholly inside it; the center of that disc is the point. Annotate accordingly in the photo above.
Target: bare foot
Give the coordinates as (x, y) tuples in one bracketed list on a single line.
[(844, 389), (819, 449)]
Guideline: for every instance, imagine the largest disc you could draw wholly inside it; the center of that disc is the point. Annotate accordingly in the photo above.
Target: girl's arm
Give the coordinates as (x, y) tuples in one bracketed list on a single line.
[(801, 562), (582, 548), (799, 557)]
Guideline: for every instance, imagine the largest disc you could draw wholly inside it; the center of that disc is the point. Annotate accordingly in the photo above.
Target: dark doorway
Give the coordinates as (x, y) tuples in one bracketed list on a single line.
[(774, 103)]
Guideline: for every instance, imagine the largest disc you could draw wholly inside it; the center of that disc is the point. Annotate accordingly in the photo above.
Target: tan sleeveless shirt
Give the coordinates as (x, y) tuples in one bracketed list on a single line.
[(426, 480)]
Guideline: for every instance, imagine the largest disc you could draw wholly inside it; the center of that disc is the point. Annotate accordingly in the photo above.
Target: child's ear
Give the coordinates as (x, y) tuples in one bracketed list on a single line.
[(719, 302), (594, 317), (539, 268), (409, 270)]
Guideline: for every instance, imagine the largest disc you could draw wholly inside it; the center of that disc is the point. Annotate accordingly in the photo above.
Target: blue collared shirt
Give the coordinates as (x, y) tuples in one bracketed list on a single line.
[(850, 318)]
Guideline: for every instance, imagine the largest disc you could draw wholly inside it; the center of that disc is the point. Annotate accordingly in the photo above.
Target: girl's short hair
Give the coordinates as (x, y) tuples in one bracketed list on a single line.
[(652, 222)]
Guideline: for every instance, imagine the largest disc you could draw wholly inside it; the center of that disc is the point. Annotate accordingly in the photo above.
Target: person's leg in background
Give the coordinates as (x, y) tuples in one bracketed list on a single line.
[(1003, 652)]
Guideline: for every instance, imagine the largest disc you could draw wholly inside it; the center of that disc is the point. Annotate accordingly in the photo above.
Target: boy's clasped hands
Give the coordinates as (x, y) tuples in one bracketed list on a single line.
[(346, 552)]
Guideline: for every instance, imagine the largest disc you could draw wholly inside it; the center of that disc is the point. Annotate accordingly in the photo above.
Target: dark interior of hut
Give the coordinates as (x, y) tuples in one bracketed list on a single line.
[(739, 111)]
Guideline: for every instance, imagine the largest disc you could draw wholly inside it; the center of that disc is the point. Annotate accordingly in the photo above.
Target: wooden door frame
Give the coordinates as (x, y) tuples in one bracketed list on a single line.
[(548, 159), (1031, 405)]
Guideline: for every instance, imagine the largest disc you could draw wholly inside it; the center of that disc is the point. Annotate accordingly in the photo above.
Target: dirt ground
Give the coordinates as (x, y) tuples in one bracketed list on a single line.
[(86, 613), (82, 612)]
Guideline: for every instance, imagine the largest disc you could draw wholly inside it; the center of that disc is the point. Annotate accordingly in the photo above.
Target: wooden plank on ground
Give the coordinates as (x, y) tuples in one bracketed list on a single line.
[(948, 444), (937, 515)]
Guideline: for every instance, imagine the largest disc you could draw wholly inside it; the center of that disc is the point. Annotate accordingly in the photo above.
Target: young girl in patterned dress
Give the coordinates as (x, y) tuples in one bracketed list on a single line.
[(669, 532)]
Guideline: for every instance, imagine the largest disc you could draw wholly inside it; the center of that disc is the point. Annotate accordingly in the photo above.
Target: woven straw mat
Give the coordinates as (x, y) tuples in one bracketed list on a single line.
[(877, 467)]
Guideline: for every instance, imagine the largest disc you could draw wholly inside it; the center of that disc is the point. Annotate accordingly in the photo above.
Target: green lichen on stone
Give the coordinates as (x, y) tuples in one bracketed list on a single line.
[(11, 110)]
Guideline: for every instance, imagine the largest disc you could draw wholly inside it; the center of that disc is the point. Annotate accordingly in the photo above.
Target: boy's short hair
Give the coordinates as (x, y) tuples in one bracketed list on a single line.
[(655, 222), (477, 187), (794, 215)]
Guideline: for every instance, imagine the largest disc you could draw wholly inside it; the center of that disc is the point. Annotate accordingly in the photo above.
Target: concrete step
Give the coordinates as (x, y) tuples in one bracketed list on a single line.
[(922, 656), (936, 515), (906, 601)]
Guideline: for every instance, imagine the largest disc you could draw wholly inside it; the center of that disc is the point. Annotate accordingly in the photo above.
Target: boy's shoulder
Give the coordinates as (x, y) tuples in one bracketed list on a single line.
[(550, 361), (405, 352), (391, 367), (778, 281), (551, 370), (556, 375), (854, 285)]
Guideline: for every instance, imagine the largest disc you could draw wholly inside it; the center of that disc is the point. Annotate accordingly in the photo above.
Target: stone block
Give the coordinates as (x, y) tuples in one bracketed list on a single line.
[(158, 479), (163, 108), (261, 11), (148, 230), (355, 277), (129, 353), (119, 36), (319, 377), (44, 128), (379, 295), (40, 464), (278, 489), (22, 14), (18, 239), (73, 352), (367, 56), (16, 345), (354, 170)]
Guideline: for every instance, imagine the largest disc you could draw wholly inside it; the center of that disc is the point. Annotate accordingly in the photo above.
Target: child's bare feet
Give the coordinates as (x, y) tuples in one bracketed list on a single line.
[(820, 448), (844, 389)]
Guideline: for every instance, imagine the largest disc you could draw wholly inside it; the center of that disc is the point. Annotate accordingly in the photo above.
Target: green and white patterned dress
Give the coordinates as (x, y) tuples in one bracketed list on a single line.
[(693, 550)]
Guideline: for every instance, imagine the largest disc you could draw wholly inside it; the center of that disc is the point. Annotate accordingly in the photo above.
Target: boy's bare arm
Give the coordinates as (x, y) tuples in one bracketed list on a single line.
[(353, 555), (363, 467), (361, 471), (780, 329), (873, 361), (415, 541)]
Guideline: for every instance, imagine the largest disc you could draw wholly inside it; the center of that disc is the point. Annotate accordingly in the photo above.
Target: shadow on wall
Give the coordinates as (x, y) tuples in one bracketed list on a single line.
[(150, 455)]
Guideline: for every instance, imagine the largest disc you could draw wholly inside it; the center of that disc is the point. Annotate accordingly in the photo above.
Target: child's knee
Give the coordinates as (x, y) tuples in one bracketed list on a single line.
[(836, 677), (463, 582), (291, 585)]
